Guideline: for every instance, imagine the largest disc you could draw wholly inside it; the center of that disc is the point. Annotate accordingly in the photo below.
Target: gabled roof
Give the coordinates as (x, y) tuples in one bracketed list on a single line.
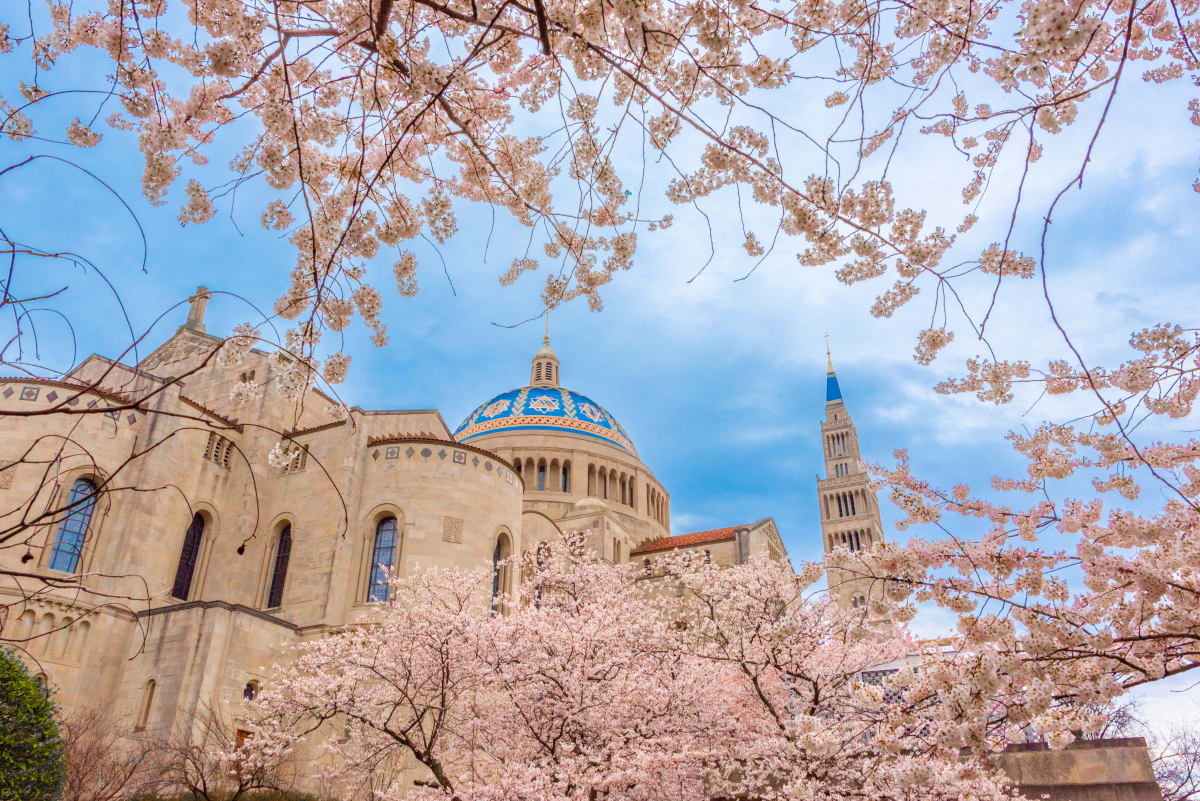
[(684, 540)]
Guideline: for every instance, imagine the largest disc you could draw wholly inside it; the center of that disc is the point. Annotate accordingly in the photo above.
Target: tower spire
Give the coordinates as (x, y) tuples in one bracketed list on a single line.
[(833, 392), (849, 508)]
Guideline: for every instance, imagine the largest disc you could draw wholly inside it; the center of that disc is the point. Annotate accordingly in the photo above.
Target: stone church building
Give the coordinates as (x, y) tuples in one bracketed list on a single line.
[(241, 559)]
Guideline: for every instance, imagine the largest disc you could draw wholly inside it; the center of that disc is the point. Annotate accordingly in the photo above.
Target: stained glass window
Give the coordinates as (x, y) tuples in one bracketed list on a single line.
[(187, 559), (279, 575), (68, 543), (383, 559)]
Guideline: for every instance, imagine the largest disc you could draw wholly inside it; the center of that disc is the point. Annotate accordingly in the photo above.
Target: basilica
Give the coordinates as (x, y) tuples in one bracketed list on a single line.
[(179, 563)]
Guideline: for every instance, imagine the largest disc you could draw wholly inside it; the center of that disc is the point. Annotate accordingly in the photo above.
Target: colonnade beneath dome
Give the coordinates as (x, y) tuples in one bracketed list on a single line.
[(613, 485), (608, 483), (544, 475), (557, 477)]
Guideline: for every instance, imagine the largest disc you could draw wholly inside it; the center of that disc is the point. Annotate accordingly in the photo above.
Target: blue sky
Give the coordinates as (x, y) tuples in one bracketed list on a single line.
[(719, 382)]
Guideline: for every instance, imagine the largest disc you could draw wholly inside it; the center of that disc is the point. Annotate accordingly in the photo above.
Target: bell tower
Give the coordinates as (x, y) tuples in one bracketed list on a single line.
[(848, 506)]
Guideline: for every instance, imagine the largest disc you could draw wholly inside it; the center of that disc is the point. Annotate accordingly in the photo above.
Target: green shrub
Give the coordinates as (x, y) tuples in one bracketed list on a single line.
[(30, 748)]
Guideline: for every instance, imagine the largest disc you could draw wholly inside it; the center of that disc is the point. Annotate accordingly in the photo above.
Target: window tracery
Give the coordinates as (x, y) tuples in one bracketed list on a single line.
[(283, 552), (383, 559), (188, 556), (72, 531)]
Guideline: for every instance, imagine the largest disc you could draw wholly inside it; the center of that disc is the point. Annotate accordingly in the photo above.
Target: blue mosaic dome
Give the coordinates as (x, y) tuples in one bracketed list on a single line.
[(544, 408)]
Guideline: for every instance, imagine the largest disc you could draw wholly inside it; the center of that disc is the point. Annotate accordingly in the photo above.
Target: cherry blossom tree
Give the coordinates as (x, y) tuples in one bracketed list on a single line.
[(1086, 596), (371, 120), (603, 682)]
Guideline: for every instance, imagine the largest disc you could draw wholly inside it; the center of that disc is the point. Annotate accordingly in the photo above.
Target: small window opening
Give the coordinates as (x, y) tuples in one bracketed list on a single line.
[(147, 702), (218, 450), (298, 461)]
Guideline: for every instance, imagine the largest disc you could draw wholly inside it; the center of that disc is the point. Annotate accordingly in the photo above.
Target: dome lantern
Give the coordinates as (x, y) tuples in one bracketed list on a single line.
[(544, 370)]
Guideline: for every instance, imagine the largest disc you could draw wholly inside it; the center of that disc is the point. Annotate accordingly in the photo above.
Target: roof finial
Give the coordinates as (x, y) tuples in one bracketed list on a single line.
[(196, 304), (828, 356), (546, 339)]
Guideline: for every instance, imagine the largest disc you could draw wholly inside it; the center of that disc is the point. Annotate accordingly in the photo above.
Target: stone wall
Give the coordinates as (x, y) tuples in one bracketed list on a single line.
[(1091, 770)]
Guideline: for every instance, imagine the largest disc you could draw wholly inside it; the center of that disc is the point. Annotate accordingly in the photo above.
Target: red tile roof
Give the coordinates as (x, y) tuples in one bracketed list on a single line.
[(684, 540)]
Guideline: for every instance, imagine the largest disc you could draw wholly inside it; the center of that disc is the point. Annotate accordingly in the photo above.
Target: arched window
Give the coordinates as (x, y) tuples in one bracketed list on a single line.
[(383, 559), (541, 476), (143, 715), (501, 571), (566, 477), (250, 690), (72, 531), (283, 552), (187, 559)]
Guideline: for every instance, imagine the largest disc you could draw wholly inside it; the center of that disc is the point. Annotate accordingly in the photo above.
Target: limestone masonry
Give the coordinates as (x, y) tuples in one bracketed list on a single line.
[(242, 559), (168, 493)]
